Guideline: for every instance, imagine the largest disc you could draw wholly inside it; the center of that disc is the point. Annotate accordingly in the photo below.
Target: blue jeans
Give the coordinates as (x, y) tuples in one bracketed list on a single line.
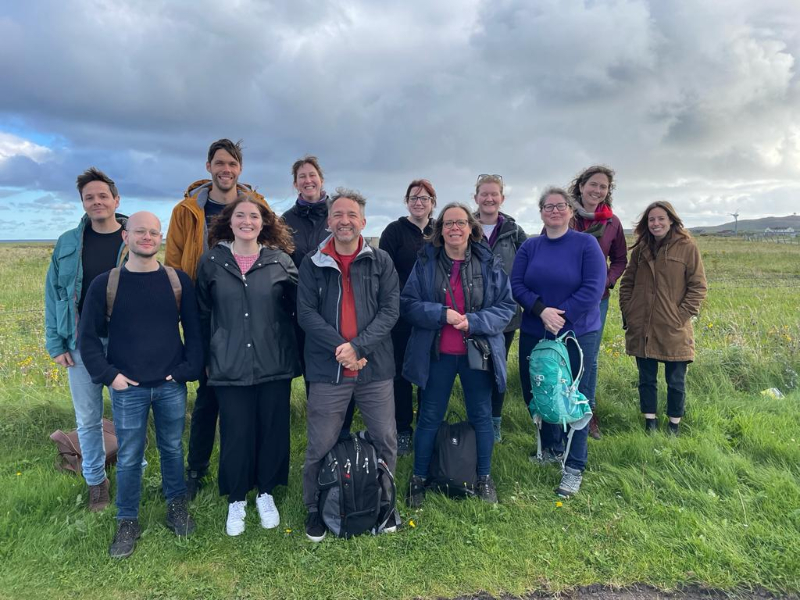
[(603, 314), (477, 386), (553, 436), (87, 398), (131, 409)]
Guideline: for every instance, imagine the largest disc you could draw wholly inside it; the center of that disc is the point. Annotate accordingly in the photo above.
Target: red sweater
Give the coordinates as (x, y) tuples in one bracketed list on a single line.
[(348, 326)]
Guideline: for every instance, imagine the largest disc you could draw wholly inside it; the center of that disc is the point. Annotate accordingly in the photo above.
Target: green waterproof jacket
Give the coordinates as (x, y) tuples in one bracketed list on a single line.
[(62, 288)]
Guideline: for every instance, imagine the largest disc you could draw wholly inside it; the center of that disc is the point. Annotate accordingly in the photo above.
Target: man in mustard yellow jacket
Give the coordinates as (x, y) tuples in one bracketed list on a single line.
[(187, 239)]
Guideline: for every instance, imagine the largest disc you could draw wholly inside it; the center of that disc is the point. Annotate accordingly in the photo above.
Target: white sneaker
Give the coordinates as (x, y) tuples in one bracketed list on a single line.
[(267, 511), (236, 512)]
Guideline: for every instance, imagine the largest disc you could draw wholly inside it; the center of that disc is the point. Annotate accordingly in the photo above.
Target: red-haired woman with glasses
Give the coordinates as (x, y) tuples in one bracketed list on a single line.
[(402, 240), (504, 237)]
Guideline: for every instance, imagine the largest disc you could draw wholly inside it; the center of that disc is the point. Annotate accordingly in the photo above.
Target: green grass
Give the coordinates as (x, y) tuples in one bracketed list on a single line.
[(718, 507)]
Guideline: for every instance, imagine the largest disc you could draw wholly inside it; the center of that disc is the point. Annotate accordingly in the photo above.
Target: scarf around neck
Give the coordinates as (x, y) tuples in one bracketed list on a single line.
[(596, 221)]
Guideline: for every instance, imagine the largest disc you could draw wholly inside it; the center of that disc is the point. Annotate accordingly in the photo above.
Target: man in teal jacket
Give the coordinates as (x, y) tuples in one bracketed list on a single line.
[(81, 254)]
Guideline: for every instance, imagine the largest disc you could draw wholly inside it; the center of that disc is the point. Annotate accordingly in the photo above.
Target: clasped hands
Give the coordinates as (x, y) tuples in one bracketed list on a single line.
[(457, 320), (552, 319), (346, 356)]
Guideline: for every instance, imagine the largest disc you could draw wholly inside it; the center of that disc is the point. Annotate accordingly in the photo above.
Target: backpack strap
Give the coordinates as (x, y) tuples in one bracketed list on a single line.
[(564, 338), (386, 474), (113, 286), (111, 290), (177, 288)]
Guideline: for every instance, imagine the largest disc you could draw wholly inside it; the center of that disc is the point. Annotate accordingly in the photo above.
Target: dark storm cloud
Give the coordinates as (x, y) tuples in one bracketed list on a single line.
[(665, 92)]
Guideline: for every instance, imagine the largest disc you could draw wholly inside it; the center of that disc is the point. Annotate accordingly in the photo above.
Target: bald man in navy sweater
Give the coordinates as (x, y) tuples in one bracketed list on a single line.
[(146, 365)]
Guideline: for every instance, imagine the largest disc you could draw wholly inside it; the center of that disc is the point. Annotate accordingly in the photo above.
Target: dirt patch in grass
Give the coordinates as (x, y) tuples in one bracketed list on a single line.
[(641, 592)]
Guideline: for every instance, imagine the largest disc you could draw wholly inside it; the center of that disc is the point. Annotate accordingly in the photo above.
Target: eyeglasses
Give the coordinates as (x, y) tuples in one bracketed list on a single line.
[(460, 223), (422, 199), (560, 207), (142, 232), (494, 176)]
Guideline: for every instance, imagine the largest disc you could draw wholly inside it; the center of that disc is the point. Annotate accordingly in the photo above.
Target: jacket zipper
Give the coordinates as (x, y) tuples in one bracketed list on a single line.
[(338, 312)]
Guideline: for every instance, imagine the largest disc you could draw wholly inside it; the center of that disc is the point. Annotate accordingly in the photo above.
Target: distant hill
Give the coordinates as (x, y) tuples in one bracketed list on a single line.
[(754, 225)]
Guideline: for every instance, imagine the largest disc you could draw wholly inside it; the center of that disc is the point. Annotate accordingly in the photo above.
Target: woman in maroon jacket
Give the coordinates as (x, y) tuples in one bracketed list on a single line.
[(591, 194)]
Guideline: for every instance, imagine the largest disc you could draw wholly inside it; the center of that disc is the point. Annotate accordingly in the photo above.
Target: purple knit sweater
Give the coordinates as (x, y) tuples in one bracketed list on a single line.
[(568, 273)]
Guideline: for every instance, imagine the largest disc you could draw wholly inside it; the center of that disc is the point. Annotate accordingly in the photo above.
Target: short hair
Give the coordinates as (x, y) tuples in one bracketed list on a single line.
[(306, 160), (488, 179), (95, 174), (554, 191), (235, 150), (275, 233), (354, 195), (586, 175), (642, 230), (475, 228)]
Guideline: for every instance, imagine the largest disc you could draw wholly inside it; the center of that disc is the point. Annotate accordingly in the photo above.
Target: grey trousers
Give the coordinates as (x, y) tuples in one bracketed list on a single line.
[(327, 405)]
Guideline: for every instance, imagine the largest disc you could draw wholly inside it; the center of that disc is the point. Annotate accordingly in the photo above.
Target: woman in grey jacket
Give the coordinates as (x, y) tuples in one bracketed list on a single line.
[(504, 237), (247, 292)]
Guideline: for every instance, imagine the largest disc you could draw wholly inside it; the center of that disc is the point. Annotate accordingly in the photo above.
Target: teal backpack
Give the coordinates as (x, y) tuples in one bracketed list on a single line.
[(555, 397)]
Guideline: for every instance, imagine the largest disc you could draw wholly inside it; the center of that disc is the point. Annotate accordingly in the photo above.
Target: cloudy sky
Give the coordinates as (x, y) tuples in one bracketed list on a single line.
[(693, 101)]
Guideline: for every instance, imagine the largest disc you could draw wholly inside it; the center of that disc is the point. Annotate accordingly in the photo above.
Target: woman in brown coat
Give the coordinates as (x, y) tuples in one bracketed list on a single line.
[(661, 290)]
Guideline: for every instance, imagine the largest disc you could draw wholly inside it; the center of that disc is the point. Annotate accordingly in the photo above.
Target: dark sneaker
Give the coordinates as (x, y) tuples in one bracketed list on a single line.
[(594, 429), (416, 491), (194, 483), (485, 489), (570, 482), (496, 423), (650, 425), (99, 498), (178, 519), (548, 457), (674, 428), (404, 445), (124, 539), (315, 527)]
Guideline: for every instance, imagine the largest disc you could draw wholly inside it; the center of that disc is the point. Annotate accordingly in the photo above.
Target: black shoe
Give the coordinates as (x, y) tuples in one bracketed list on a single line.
[(416, 491), (125, 538), (674, 428), (178, 519), (315, 527), (404, 443), (485, 489), (194, 482), (650, 425)]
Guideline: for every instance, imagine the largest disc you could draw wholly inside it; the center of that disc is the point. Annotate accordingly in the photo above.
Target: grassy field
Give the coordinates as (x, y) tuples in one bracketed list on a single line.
[(718, 507)]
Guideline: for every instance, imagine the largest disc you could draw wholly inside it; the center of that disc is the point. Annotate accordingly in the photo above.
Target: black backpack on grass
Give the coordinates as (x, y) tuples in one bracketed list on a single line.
[(357, 493), (454, 465)]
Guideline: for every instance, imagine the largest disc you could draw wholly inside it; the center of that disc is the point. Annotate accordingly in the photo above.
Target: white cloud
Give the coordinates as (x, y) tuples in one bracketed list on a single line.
[(12, 145)]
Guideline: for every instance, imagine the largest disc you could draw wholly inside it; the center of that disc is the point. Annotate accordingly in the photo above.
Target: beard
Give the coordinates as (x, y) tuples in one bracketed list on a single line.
[(144, 253)]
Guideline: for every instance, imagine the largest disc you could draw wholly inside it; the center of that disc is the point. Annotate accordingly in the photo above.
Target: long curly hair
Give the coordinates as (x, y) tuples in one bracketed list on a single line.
[(274, 232), (575, 187), (642, 231)]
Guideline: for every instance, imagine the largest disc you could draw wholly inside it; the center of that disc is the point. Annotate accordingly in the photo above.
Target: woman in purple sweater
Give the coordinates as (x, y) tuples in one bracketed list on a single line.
[(558, 278), (591, 199)]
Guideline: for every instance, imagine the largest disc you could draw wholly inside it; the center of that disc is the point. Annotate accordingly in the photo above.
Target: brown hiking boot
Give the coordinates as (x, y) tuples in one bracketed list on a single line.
[(594, 428), (99, 498)]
